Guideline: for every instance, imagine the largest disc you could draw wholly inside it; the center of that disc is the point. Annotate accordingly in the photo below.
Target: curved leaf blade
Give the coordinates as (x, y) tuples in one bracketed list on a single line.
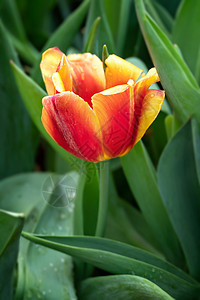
[(141, 176), (119, 258), (176, 78), (11, 225), (63, 36), (180, 189), (121, 287)]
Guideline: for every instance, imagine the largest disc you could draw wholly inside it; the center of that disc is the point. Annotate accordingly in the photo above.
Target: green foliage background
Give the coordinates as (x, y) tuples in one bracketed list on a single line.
[(129, 228)]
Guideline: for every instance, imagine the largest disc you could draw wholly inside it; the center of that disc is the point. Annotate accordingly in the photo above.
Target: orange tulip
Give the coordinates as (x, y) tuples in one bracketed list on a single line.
[(93, 114)]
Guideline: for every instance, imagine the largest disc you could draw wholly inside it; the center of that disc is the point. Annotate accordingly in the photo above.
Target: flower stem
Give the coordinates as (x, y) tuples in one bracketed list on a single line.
[(103, 198)]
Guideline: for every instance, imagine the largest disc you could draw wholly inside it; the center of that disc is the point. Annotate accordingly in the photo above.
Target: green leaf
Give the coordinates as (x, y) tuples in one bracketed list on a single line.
[(156, 16), (169, 126), (63, 36), (11, 225), (176, 78), (172, 125), (104, 33), (179, 186), (164, 15), (122, 24), (141, 177), (90, 44), (126, 224), (196, 146), (187, 25), (121, 287), (41, 19), (32, 96), (171, 6), (47, 201), (11, 18), (112, 11), (119, 258), (197, 70), (18, 136)]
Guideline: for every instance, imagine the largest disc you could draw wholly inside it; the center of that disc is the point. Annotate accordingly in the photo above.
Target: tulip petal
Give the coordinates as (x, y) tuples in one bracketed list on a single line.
[(51, 59), (147, 103), (145, 115), (71, 122), (143, 84), (115, 114), (119, 71), (87, 75), (62, 78)]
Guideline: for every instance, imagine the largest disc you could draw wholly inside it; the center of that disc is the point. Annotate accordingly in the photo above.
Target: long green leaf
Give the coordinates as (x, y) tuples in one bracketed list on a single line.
[(121, 287), (164, 14), (13, 23), (32, 96), (10, 229), (119, 258), (180, 189), (126, 224), (90, 44), (18, 136), (64, 35), (141, 177), (187, 25), (104, 33), (123, 24), (176, 78)]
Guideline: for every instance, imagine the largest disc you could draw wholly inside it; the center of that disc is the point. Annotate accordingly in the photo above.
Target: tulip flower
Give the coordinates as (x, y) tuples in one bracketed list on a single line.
[(95, 114)]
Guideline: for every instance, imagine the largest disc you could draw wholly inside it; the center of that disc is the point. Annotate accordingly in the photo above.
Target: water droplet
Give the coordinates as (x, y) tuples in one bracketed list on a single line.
[(51, 264), (62, 216), (49, 290), (60, 227), (132, 273), (43, 293), (62, 260), (56, 269)]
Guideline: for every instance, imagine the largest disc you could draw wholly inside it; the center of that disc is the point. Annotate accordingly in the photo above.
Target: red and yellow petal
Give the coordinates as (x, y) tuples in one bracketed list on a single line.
[(51, 59), (119, 71), (143, 84), (87, 75), (71, 122), (115, 114), (146, 114), (62, 79)]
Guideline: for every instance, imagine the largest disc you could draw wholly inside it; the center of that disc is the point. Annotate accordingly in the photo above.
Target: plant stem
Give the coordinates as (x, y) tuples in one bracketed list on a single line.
[(103, 198)]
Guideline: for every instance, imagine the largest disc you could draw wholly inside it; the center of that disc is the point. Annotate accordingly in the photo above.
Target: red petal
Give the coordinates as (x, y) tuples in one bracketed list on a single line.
[(87, 75), (119, 71), (115, 113), (73, 125)]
